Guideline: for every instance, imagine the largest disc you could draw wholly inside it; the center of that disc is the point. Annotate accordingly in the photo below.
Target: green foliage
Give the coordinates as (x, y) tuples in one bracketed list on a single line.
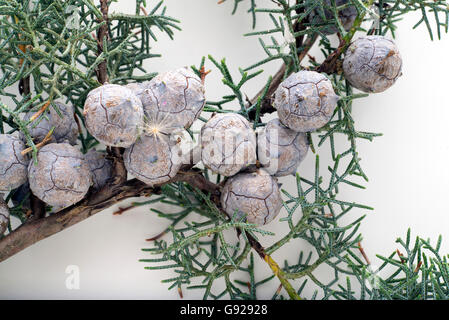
[(390, 13)]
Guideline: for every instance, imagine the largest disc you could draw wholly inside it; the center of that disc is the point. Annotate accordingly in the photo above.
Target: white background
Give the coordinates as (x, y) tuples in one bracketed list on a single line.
[(407, 166)]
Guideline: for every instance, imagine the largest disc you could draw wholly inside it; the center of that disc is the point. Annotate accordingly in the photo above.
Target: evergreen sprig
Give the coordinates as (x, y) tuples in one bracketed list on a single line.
[(416, 271)]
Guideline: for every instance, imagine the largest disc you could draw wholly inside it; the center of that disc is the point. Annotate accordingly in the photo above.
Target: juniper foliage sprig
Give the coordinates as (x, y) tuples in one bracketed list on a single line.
[(290, 22), (54, 43), (415, 271), (252, 9)]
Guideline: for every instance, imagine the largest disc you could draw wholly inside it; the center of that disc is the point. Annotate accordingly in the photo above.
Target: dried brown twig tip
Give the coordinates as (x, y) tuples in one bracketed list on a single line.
[(122, 210), (362, 251), (311, 58), (400, 256), (418, 267), (180, 292), (221, 1), (78, 122), (40, 144), (160, 235), (40, 111), (28, 213), (203, 74), (329, 65)]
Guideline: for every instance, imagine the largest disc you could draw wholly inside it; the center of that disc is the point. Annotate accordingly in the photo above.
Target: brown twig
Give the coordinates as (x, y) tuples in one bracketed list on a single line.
[(29, 212), (39, 145), (330, 65), (418, 267), (362, 251), (275, 268), (40, 111), (38, 208), (157, 237), (203, 74), (120, 174), (102, 33), (122, 210), (37, 230), (248, 285), (400, 256)]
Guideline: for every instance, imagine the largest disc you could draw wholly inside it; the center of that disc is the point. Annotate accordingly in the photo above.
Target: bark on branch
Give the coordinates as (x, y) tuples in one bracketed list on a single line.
[(96, 201)]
